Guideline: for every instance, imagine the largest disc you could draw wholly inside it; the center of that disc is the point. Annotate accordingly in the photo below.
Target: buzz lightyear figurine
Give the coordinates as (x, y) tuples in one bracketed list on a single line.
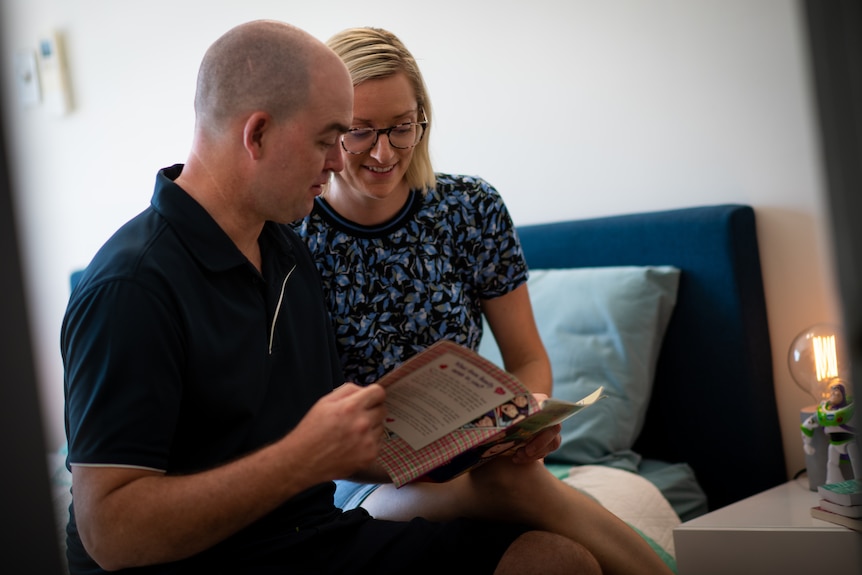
[(835, 416)]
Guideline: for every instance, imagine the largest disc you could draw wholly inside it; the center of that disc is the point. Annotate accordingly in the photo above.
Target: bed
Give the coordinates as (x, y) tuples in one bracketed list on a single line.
[(665, 309)]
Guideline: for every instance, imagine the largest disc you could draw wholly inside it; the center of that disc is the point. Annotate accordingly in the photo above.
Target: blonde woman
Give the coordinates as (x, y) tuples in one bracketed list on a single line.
[(409, 256)]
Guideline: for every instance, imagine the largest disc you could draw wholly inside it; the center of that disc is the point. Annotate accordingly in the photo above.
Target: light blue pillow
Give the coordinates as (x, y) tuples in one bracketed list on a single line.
[(601, 326)]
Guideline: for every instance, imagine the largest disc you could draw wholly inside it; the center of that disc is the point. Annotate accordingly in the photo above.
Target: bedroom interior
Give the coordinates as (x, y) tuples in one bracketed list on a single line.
[(25, 411)]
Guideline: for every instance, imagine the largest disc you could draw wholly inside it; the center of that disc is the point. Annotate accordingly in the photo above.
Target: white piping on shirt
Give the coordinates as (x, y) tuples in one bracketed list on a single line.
[(121, 465), (278, 308)]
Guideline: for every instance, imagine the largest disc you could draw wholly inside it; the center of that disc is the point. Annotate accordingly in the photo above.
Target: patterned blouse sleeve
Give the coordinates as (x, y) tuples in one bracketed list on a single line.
[(500, 265)]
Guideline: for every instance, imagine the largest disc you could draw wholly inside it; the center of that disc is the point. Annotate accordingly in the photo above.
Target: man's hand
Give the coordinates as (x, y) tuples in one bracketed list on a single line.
[(343, 430)]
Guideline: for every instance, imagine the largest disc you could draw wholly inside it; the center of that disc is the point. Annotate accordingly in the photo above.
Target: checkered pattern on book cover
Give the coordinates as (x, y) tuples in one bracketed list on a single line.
[(404, 465)]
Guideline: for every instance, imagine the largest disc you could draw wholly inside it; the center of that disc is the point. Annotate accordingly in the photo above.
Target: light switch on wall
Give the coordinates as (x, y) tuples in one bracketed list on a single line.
[(55, 80), (27, 78)]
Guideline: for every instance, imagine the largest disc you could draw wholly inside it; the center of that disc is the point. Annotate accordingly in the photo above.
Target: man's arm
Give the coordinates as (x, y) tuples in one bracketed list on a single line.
[(130, 517)]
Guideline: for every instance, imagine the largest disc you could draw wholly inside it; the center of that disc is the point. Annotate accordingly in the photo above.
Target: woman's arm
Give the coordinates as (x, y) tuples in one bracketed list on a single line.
[(511, 319)]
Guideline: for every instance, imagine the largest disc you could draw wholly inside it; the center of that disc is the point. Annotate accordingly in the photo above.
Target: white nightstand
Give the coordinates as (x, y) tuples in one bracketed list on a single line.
[(771, 532)]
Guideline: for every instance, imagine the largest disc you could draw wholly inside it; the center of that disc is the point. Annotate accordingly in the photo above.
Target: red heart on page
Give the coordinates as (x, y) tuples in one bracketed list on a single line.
[(390, 419), (443, 366), (499, 391)]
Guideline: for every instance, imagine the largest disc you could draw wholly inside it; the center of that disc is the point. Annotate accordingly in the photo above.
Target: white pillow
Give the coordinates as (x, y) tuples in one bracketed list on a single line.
[(601, 326)]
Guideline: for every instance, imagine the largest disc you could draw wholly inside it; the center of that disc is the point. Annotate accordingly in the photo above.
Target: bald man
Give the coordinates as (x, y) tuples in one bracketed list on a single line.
[(206, 414)]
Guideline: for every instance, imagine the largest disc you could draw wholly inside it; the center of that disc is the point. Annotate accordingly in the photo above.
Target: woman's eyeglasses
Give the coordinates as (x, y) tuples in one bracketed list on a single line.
[(401, 137)]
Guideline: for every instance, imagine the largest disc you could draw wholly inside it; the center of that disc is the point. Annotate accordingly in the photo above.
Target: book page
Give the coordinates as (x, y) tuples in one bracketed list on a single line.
[(552, 411), (469, 446), (442, 395)]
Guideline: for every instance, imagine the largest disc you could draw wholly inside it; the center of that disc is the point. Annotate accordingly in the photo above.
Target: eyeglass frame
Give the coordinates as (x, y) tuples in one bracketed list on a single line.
[(387, 131)]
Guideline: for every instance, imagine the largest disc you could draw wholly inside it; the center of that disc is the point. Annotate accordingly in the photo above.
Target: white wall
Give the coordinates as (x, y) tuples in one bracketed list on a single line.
[(571, 108)]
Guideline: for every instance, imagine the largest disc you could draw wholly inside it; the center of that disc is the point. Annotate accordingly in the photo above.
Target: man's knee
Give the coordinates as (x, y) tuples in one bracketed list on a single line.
[(547, 553)]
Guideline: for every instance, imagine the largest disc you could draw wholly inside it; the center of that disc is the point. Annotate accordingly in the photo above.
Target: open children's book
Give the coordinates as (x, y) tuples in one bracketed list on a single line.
[(450, 409)]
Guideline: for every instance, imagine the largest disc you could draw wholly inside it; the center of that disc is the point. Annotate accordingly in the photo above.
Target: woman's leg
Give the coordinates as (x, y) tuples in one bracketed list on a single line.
[(527, 493)]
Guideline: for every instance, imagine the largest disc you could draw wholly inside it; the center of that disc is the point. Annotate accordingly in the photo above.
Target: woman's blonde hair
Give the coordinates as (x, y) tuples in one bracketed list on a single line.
[(373, 53)]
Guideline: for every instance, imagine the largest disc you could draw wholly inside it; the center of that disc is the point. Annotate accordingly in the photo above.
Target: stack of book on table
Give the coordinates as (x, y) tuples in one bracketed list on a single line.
[(840, 503)]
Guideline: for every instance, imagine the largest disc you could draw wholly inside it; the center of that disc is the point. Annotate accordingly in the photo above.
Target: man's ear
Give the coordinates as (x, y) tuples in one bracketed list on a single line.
[(253, 132)]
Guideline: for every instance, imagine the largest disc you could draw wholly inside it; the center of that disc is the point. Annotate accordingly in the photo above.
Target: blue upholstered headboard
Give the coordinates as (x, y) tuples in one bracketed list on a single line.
[(713, 404)]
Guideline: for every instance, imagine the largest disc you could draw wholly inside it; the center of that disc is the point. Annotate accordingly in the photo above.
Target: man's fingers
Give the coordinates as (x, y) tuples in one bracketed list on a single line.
[(372, 395)]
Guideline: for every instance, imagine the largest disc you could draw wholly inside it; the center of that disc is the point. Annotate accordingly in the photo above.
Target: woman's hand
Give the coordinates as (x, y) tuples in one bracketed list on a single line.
[(539, 446)]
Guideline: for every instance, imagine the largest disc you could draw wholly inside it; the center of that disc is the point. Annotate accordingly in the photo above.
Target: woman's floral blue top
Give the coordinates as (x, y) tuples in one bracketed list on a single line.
[(396, 288)]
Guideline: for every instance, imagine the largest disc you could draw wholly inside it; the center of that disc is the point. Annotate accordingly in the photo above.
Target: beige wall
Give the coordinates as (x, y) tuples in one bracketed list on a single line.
[(570, 108)]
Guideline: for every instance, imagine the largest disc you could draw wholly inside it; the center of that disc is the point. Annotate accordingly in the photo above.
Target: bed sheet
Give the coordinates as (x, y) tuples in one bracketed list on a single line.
[(630, 497)]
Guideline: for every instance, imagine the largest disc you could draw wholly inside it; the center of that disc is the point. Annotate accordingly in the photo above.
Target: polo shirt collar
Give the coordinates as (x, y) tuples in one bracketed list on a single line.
[(196, 228)]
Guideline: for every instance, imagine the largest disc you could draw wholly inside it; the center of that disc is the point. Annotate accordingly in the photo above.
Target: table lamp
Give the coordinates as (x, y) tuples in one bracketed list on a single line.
[(817, 356), (817, 360)]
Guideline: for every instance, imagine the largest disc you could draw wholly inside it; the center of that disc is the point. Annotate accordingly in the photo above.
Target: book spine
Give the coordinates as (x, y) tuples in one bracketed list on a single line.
[(843, 492), (824, 515), (854, 511)]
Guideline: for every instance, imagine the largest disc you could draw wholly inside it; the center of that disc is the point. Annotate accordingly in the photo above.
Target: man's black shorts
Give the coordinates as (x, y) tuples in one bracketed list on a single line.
[(357, 543)]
